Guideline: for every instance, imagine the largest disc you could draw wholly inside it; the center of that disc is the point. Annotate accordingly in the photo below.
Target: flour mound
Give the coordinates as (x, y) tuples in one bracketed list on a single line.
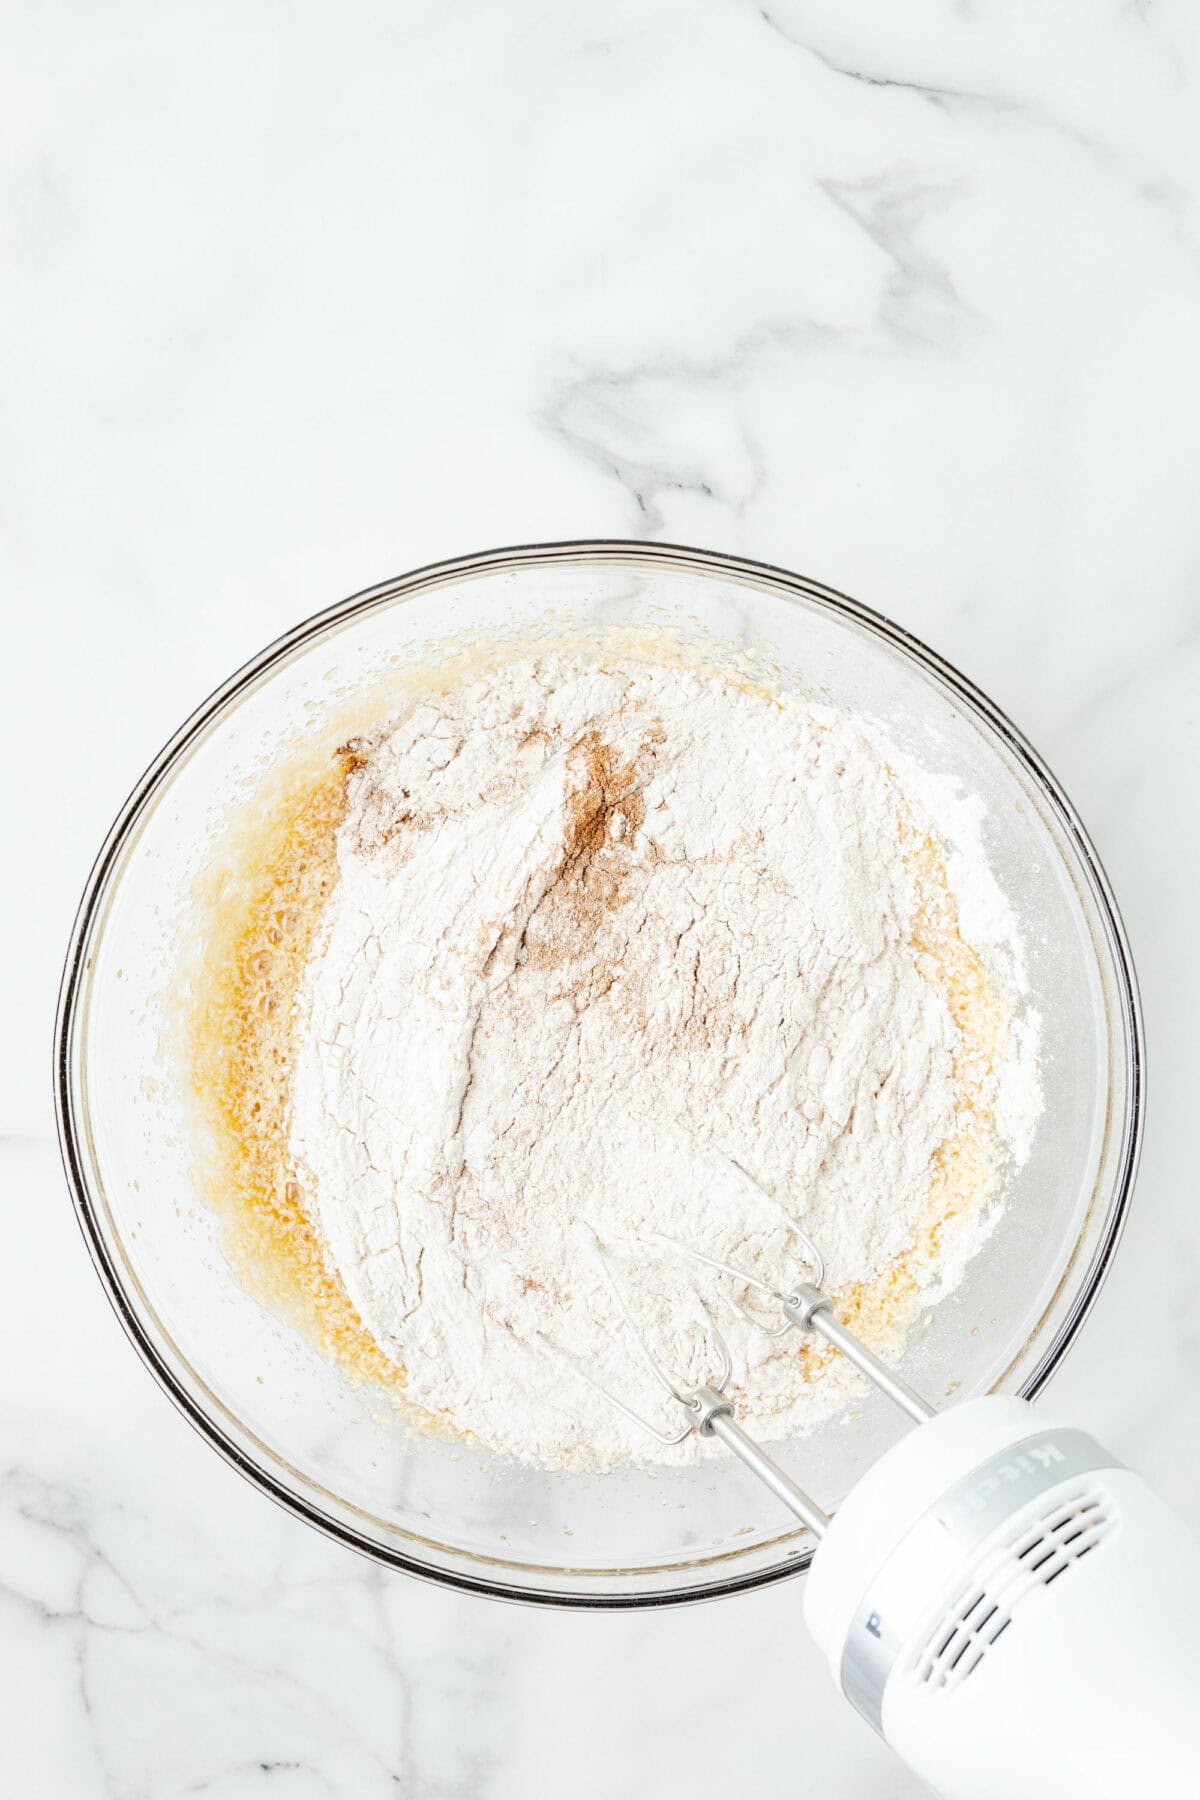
[(623, 948)]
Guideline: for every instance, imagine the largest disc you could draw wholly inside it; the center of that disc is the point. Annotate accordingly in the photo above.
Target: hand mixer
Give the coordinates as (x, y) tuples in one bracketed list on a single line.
[(1014, 1611)]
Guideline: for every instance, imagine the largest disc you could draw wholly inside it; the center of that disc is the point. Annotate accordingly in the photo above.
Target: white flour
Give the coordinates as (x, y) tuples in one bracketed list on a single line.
[(620, 944)]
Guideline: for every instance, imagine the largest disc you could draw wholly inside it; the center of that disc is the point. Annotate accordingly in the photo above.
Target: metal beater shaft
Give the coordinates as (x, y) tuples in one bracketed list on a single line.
[(811, 1310), (726, 1427)]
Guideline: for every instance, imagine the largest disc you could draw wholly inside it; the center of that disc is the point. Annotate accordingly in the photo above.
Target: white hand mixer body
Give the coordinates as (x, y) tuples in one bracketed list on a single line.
[(1015, 1612)]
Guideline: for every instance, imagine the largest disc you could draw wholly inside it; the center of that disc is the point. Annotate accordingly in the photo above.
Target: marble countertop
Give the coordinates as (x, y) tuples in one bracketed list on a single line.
[(297, 298)]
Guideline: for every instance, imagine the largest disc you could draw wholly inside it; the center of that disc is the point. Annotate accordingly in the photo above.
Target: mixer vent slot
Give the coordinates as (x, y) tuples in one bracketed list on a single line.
[(1044, 1548)]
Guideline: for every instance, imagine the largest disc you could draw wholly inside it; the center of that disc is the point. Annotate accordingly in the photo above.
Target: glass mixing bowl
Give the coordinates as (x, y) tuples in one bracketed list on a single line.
[(284, 1416)]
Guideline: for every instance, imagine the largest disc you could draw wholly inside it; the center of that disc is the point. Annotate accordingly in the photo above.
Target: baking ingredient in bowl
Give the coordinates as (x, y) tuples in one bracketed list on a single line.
[(642, 949)]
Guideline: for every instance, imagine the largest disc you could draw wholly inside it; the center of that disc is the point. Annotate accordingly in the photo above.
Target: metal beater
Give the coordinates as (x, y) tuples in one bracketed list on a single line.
[(709, 1413), (807, 1307), (707, 1410)]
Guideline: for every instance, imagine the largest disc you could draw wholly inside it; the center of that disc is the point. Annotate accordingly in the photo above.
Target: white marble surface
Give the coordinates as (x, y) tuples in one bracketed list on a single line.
[(298, 297)]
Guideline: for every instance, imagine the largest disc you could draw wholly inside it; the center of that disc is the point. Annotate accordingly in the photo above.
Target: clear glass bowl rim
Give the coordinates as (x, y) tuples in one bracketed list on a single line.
[(71, 1127)]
